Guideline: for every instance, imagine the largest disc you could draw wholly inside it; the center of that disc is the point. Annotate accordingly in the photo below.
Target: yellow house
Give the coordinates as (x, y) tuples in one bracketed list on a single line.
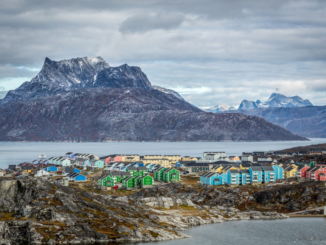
[(172, 158), (189, 158), (152, 156), (216, 169), (290, 171), (234, 158), (130, 158), (163, 162)]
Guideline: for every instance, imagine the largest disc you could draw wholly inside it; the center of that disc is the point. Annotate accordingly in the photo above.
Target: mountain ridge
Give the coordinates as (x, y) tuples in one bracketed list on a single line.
[(275, 100), (84, 99)]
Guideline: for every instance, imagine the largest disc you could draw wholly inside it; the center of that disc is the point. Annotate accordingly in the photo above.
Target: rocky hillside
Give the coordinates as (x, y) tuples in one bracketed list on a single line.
[(106, 114), (309, 121), (286, 197), (38, 212), (84, 99)]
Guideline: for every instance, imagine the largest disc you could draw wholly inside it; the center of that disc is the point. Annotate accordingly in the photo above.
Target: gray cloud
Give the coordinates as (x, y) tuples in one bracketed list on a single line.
[(211, 51), (141, 23)]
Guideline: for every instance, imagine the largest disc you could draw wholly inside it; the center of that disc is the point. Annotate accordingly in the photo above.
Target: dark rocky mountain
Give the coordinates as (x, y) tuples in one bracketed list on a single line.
[(275, 100), (3, 92), (86, 100), (309, 121)]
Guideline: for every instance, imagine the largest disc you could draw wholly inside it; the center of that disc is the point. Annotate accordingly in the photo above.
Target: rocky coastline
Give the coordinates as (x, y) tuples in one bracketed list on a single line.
[(35, 211)]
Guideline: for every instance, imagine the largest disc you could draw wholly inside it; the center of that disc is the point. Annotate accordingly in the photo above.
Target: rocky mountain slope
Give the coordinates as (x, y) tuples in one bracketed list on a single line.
[(220, 108), (275, 100), (3, 92), (106, 114), (85, 99), (305, 121)]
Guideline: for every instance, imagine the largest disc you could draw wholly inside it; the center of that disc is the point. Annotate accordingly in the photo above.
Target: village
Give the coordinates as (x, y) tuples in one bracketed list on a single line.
[(132, 171)]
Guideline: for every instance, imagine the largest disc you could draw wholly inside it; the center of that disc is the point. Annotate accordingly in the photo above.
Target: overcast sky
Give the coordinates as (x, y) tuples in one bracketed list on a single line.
[(212, 52)]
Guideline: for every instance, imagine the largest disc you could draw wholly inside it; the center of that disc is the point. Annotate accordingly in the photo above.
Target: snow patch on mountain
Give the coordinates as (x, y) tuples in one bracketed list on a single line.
[(220, 108), (275, 100), (168, 91)]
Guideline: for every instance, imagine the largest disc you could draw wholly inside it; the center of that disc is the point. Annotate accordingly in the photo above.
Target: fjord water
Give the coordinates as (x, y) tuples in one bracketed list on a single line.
[(301, 231), (17, 152)]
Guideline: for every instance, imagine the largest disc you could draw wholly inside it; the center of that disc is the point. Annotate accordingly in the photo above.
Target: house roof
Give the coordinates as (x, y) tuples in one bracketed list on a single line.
[(256, 168), (142, 168), (69, 170), (127, 178), (234, 171), (244, 171), (267, 168)]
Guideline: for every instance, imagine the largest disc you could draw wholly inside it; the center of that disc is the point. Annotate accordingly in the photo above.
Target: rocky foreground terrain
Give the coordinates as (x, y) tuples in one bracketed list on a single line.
[(38, 212)]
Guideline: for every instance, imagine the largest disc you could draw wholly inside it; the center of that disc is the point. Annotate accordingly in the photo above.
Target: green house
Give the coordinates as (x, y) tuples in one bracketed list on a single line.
[(128, 183), (140, 171), (146, 181), (171, 175), (105, 180), (133, 170), (158, 173), (118, 176), (143, 171), (137, 181)]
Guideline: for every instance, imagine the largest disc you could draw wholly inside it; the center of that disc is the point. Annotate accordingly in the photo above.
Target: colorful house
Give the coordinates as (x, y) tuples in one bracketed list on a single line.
[(171, 175), (244, 177), (105, 180), (233, 177), (301, 171), (290, 171), (256, 175), (97, 164), (51, 169), (268, 174), (76, 177), (128, 183), (158, 173), (278, 170)]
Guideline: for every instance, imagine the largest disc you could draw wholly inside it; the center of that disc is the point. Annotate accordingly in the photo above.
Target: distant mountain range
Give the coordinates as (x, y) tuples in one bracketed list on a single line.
[(309, 121), (292, 113), (221, 108), (85, 99), (275, 100)]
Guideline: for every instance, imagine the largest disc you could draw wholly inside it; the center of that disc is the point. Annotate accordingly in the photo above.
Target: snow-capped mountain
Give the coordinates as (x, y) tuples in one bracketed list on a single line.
[(220, 108), (84, 99), (168, 91), (275, 100)]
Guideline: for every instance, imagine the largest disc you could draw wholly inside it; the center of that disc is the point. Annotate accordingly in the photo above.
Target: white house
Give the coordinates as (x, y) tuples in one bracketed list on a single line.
[(41, 173)]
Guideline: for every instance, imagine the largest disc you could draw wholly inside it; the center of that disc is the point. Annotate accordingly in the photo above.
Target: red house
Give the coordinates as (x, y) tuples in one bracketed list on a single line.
[(301, 173), (322, 177), (314, 173)]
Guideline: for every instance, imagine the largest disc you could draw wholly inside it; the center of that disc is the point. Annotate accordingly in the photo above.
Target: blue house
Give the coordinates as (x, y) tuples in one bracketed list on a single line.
[(256, 175), (80, 177), (97, 164), (278, 170), (268, 174), (51, 169), (203, 179), (244, 177), (210, 178), (76, 177), (233, 177)]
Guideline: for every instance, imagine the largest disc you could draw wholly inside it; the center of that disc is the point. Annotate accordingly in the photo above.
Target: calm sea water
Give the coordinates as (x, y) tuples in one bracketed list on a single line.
[(17, 152), (266, 232)]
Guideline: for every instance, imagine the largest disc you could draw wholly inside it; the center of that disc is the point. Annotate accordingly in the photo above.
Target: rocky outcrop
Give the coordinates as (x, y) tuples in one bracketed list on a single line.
[(38, 212)]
